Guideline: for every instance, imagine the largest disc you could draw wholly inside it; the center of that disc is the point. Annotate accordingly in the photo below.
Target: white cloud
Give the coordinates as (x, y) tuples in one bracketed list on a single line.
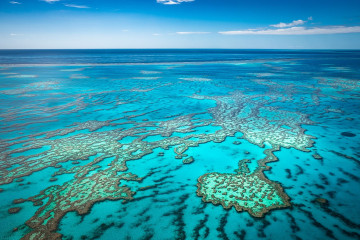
[(50, 1), (16, 34), (13, 2), (185, 33), (293, 23), (156, 34), (76, 6), (173, 2), (297, 31)]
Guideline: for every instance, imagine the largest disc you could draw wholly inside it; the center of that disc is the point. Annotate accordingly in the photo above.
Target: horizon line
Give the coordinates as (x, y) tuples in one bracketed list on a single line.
[(2, 49)]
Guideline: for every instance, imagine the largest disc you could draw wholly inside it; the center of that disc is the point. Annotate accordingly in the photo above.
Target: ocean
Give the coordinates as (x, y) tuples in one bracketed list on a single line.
[(179, 144)]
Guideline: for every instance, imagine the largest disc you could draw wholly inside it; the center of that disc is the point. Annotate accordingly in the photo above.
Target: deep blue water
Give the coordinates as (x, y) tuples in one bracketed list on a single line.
[(97, 144), (111, 56)]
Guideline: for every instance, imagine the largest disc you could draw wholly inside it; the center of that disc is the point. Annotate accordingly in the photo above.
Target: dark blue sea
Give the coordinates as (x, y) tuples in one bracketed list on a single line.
[(179, 144)]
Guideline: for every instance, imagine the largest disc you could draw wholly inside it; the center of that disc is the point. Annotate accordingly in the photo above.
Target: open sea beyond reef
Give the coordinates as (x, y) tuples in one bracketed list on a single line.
[(179, 144)]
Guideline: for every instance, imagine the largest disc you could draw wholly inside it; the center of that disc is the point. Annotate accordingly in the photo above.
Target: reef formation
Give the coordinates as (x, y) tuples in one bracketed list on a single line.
[(99, 151), (252, 192)]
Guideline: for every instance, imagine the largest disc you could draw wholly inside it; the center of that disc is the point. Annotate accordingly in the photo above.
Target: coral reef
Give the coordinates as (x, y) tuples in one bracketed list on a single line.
[(188, 160), (77, 195), (253, 192), (14, 210), (245, 191), (96, 152)]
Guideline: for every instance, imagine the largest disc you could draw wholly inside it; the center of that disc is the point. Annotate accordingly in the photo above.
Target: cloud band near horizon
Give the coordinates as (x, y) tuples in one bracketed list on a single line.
[(296, 31), (75, 6), (173, 2)]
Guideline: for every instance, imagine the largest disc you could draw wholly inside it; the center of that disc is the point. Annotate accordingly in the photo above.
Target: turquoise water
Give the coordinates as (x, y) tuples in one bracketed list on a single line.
[(179, 144)]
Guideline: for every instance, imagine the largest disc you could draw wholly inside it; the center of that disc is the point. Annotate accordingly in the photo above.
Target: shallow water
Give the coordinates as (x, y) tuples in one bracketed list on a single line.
[(171, 144)]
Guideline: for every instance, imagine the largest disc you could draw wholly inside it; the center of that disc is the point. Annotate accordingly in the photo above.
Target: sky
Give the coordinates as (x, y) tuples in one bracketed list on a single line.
[(240, 24)]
